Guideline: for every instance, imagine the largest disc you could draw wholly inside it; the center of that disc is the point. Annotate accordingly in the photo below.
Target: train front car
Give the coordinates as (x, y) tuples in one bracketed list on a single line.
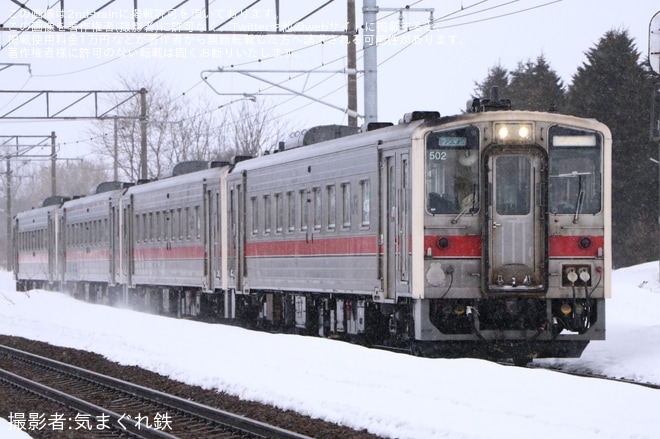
[(513, 214), (36, 251)]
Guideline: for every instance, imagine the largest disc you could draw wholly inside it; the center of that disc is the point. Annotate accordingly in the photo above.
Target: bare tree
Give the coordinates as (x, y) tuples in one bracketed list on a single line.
[(177, 130), (74, 177), (252, 128)]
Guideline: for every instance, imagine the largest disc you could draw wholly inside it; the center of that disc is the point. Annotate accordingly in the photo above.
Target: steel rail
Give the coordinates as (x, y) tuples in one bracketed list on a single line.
[(213, 416)]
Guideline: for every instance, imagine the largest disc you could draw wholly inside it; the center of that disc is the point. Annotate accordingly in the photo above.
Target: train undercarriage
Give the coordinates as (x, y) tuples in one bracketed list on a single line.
[(495, 328)]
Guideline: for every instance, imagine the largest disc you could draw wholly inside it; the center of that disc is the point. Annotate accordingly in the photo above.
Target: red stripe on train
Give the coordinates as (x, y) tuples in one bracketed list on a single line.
[(367, 245), (453, 246), (574, 246)]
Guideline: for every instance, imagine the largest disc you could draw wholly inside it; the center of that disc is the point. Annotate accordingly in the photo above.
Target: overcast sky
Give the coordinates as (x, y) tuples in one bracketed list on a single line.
[(419, 69)]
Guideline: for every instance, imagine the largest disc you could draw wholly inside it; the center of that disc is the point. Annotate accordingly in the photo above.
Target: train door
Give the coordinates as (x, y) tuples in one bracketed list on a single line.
[(61, 251), (237, 230), (216, 239), (112, 239), (207, 224), (127, 238), (51, 237), (517, 229), (395, 233)]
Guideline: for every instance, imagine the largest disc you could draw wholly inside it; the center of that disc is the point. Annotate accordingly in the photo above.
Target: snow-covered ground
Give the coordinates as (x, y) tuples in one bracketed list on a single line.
[(389, 394)]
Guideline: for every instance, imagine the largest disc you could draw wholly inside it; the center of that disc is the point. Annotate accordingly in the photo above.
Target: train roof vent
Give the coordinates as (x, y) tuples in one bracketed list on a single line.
[(108, 186), (54, 200), (420, 115), (240, 158), (319, 134), (218, 164), (371, 126), (188, 167)]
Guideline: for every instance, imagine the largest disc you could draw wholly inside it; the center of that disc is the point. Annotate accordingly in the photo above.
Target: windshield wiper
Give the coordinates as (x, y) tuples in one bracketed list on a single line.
[(580, 200), (470, 207)]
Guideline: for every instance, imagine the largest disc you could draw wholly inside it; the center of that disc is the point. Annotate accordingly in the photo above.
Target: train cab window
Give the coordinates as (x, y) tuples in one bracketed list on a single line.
[(575, 179), (452, 171)]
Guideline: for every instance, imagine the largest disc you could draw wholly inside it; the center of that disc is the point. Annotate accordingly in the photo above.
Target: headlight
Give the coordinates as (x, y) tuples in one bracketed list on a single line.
[(514, 133)]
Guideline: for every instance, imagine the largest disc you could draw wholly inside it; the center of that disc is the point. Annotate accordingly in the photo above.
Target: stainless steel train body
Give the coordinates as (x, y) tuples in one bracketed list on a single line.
[(484, 234), (37, 249), (173, 230), (88, 241)]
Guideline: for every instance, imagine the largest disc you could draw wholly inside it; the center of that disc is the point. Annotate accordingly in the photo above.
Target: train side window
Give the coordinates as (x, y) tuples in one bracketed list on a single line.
[(303, 210), (145, 228), (267, 214), (279, 213), (153, 226), (332, 206), (179, 224), (365, 189), (171, 225), (106, 231), (255, 215), (318, 208), (156, 226), (346, 205), (291, 203), (197, 224), (166, 225), (187, 223)]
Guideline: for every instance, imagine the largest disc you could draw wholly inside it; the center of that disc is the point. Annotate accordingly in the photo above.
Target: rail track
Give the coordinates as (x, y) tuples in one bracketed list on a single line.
[(109, 406), (589, 374), (586, 374)]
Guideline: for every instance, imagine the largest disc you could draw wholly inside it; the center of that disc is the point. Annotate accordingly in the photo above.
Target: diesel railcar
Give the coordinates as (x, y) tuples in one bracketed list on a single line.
[(36, 245), (483, 234)]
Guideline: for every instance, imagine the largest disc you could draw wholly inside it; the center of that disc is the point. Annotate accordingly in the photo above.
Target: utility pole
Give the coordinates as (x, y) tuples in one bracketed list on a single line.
[(370, 12), (14, 148), (53, 167), (143, 134), (115, 155), (10, 265), (654, 60), (351, 64)]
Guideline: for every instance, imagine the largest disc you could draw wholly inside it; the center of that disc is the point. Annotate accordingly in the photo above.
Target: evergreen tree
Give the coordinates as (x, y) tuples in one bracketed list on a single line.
[(498, 76), (614, 87), (535, 86)]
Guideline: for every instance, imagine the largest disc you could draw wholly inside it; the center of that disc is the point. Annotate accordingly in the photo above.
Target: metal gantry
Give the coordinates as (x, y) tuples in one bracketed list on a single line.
[(200, 18), (21, 146)]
